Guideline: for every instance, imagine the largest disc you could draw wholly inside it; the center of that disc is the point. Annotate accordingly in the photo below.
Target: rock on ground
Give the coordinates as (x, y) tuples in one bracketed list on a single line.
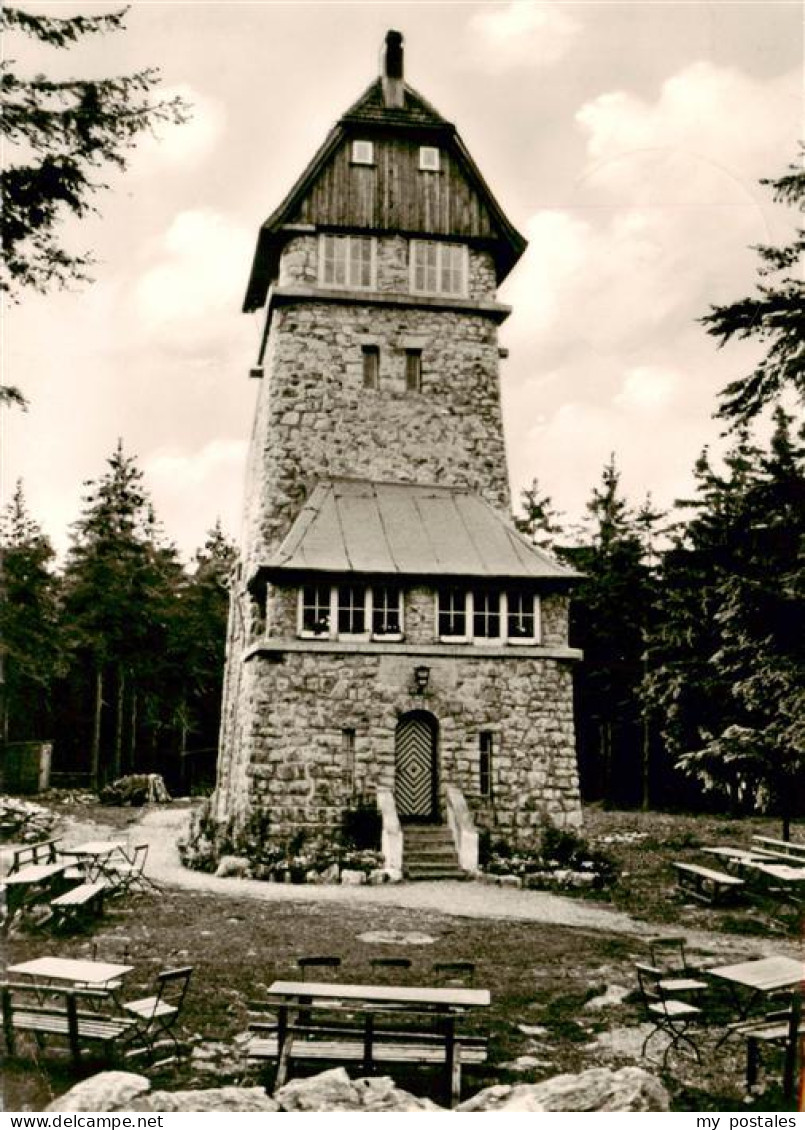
[(629, 1089), (334, 1090), (110, 1090)]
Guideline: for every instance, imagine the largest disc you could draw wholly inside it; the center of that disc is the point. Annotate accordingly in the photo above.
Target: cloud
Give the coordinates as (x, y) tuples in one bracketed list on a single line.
[(192, 488), (709, 136), (182, 146), (606, 350), (204, 260), (522, 33)]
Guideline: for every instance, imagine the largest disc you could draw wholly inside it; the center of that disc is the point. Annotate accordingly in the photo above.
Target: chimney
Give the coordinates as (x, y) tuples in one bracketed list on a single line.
[(391, 70)]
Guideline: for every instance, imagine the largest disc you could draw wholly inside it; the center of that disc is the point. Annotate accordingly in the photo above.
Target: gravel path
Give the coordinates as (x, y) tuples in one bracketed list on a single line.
[(162, 826)]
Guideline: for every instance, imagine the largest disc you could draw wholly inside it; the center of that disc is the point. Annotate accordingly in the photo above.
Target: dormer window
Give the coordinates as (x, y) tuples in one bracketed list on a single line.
[(429, 158), (438, 268), (347, 261), (363, 153)]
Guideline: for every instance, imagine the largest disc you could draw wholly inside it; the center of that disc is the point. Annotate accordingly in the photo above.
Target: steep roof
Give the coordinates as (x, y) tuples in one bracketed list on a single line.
[(407, 529), (411, 113)]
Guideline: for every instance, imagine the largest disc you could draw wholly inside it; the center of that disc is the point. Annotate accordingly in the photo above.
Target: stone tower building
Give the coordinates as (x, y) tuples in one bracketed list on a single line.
[(392, 635)]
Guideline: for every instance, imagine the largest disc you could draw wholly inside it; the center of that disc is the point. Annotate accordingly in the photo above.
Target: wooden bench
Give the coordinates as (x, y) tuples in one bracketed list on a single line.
[(82, 1016), (75, 906), (792, 851), (43, 852), (704, 884), (368, 1025)]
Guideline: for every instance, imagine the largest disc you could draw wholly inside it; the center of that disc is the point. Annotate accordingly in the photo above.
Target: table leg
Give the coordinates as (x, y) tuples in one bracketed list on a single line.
[(368, 1040), (450, 1061), (285, 1038)]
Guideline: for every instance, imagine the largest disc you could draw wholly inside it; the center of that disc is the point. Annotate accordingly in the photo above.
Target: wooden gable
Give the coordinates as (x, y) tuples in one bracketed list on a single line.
[(392, 195)]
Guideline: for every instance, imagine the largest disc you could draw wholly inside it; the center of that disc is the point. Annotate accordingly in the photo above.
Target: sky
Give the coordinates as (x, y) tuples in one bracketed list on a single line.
[(624, 140)]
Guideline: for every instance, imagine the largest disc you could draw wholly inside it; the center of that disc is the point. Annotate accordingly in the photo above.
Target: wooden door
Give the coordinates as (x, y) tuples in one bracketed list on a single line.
[(415, 767)]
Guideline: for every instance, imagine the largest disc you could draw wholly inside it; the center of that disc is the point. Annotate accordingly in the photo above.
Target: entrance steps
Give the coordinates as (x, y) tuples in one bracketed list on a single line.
[(429, 853)]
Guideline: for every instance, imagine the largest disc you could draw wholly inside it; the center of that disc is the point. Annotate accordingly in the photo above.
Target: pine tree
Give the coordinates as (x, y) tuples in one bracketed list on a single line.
[(609, 615), (58, 136), (775, 314), (30, 652), (121, 583), (538, 520)]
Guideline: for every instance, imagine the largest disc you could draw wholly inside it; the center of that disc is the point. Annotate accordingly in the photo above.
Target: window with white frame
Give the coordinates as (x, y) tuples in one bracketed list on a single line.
[(487, 615), (522, 617), (438, 268), (347, 260), (351, 610), (315, 610), (386, 610), (452, 613), (363, 153), (429, 158), (413, 370)]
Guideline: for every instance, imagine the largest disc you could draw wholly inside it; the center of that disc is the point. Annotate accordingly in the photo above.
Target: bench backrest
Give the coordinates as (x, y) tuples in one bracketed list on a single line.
[(42, 852)]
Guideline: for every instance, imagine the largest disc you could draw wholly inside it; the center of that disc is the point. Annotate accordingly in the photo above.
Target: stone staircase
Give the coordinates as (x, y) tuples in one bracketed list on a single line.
[(429, 853)]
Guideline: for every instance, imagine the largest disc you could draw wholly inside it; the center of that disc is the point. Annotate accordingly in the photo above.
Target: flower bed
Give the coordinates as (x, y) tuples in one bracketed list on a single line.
[(560, 860)]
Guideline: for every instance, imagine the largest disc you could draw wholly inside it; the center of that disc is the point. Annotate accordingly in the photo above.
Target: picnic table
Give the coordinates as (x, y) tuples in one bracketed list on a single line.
[(433, 1040), (75, 971), (96, 855), (750, 981), (68, 998), (32, 884)]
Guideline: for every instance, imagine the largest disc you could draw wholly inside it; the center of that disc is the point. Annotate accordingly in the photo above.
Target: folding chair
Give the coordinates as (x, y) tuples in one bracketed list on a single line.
[(457, 973), (387, 966), (157, 1014), (668, 955), (129, 874), (666, 1013), (324, 962)]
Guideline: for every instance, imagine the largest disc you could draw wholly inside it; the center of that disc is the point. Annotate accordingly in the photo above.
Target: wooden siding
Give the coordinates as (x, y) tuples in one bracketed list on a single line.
[(395, 195)]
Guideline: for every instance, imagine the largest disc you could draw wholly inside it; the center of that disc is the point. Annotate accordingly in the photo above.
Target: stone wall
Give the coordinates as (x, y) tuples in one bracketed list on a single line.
[(315, 418), (295, 706)]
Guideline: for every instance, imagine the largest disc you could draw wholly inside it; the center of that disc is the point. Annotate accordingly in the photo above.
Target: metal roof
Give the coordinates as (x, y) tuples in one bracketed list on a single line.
[(380, 528)]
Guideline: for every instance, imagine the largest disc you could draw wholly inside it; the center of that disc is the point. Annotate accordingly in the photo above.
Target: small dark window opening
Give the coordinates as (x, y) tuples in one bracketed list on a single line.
[(485, 746), (371, 366), (413, 370), (348, 751)]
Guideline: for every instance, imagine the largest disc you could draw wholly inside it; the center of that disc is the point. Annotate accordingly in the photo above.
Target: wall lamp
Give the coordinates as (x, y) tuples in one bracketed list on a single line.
[(421, 679)]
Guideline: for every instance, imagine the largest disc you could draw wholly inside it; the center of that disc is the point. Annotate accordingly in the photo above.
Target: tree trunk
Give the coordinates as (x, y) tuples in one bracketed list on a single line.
[(132, 750), (95, 748), (117, 752), (645, 802)]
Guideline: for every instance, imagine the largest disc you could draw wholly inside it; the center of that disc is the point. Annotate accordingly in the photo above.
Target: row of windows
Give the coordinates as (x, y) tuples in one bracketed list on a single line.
[(371, 368), (363, 153), (435, 267), (377, 611)]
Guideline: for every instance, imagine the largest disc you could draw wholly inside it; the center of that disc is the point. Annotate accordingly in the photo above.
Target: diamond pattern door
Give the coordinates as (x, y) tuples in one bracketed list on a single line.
[(415, 776)]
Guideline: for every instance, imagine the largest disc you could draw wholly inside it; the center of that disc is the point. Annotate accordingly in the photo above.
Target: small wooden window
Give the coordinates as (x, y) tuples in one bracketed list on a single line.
[(485, 749), (413, 370), (351, 610), (438, 268), (452, 613), (371, 366), (523, 617), (386, 610), (485, 614), (429, 158), (348, 753), (316, 610), (363, 153), (347, 260)]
